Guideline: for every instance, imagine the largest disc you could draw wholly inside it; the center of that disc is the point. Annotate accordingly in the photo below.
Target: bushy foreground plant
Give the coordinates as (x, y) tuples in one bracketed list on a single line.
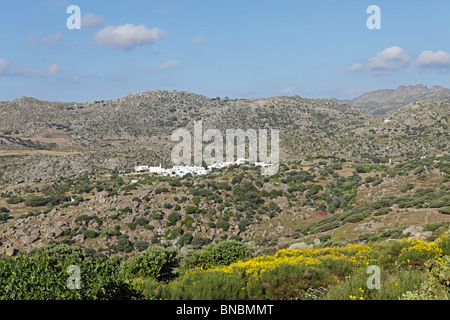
[(43, 277), (154, 262), (437, 284), (220, 254)]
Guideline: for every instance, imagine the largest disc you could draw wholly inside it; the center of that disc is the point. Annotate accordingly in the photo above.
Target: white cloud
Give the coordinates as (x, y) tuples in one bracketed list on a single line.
[(4, 67), (388, 60), (27, 72), (51, 40), (288, 91), (53, 69), (430, 59), (168, 65), (356, 67), (200, 39), (91, 20), (127, 36)]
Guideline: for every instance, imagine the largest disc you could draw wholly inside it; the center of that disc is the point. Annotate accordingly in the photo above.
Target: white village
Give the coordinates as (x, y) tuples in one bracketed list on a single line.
[(180, 171)]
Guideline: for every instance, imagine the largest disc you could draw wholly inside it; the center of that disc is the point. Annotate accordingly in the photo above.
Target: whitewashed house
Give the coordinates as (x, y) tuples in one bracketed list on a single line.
[(183, 170), (141, 168), (157, 170), (220, 165), (180, 171)]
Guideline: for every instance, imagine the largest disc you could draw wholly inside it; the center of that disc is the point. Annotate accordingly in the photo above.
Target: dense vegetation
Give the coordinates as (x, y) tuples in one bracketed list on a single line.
[(183, 263), (410, 269)]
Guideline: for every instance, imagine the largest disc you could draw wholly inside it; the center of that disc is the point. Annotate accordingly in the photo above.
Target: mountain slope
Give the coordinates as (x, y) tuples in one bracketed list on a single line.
[(381, 102), (136, 129)]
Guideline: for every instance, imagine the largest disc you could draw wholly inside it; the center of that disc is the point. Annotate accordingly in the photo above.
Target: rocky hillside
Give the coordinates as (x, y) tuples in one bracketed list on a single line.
[(381, 102), (49, 140), (307, 202)]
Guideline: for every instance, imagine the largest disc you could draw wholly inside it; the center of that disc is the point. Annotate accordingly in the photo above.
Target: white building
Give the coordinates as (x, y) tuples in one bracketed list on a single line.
[(220, 165), (180, 171), (183, 170), (157, 170), (141, 168)]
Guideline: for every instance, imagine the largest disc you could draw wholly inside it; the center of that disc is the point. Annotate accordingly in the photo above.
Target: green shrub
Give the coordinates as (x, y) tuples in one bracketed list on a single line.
[(43, 278), (185, 238), (243, 224), (132, 225), (382, 211), (327, 226), (325, 238), (36, 201), (188, 221), (407, 187), (191, 209), (196, 200), (155, 262), (173, 218), (83, 218), (369, 179), (221, 254), (4, 216), (4, 210), (223, 225), (175, 232), (123, 244), (156, 215), (90, 234), (141, 221), (445, 210), (15, 200), (141, 245)]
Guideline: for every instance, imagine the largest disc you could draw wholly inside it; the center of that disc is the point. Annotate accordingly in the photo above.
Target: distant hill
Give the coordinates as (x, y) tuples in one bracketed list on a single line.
[(381, 102), (136, 129)]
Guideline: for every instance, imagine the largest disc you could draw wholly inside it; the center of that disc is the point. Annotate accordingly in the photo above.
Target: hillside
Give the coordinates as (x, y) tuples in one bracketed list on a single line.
[(48, 140), (67, 171), (351, 189), (381, 102), (113, 214)]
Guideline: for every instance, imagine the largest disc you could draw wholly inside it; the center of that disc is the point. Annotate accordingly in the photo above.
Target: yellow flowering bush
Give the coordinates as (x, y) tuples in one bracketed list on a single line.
[(338, 272), (417, 251)]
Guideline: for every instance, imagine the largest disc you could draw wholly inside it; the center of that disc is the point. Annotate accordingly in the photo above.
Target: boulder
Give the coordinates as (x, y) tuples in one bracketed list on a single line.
[(79, 237), (413, 230), (29, 239), (10, 250), (300, 245), (57, 231), (128, 219), (423, 235)]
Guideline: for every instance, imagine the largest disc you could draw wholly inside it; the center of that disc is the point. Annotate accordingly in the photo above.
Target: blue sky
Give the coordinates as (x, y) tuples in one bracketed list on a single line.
[(225, 48)]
